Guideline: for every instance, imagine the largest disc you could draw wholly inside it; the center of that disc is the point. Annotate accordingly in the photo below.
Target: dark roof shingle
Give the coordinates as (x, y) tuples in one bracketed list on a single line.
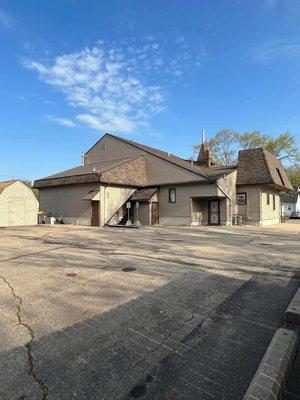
[(260, 167), (290, 197), (143, 194), (5, 184)]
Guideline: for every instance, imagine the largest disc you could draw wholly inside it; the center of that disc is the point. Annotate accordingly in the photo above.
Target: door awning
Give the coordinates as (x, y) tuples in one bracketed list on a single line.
[(92, 195)]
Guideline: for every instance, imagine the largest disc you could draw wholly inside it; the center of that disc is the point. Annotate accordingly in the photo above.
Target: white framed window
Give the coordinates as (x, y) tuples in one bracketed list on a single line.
[(172, 195)]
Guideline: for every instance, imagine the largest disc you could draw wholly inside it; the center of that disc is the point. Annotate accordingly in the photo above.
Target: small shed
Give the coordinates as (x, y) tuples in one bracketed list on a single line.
[(18, 204)]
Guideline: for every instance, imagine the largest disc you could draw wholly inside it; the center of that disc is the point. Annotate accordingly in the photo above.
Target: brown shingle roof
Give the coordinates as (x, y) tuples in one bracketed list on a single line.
[(143, 194), (210, 174), (4, 185), (129, 171), (94, 168), (290, 197), (260, 167)]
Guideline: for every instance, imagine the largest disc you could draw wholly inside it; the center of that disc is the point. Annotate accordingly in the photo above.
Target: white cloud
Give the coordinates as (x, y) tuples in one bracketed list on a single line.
[(62, 121), (98, 82), (277, 49), (6, 20), (115, 87), (271, 3)]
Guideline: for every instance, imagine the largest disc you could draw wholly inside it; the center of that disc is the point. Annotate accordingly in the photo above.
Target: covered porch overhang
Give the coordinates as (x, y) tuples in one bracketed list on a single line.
[(210, 210)]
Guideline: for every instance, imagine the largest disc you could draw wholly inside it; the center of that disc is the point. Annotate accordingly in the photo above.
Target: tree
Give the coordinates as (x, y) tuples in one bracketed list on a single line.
[(226, 143), (222, 146), (251, 140), (284, 147), (29, 184), (294, 175)]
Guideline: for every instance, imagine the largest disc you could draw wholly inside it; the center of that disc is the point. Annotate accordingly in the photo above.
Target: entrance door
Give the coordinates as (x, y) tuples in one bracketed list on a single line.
[(154, 213), (214, 212), (95, 213)]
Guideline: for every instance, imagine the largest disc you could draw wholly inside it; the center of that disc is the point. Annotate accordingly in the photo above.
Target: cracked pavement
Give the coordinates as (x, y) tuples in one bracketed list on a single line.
[(190, 319)]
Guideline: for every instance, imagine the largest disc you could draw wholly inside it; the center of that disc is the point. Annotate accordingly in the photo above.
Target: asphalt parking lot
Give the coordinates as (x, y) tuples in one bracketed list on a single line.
[(158, 313)]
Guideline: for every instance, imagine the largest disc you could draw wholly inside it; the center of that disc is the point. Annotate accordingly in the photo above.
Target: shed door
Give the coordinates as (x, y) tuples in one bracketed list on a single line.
[(154, 213), (95, 213)]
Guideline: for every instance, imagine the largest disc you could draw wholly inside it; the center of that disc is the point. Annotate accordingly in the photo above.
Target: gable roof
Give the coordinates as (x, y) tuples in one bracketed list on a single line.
[(125, 171), (260, 167), (95, 168), (5, 184), (290, 197), (143, 195), (209, 174)]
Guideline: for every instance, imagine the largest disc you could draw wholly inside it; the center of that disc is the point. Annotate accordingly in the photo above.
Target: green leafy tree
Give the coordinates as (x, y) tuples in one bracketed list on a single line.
[(284, 147), (223, 147), (226, 143), (251, 140), (294, 175)]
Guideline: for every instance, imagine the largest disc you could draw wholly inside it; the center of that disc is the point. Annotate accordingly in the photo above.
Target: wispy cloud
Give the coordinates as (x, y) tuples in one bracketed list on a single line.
[(115, 88), (6, 20), (62, 121), (274, 50), (271, 3)]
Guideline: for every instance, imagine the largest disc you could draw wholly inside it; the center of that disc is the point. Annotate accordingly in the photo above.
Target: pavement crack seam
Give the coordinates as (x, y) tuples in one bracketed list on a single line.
[(43, 387)]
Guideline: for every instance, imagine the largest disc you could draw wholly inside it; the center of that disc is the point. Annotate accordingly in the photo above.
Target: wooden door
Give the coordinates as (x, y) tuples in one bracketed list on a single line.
[(95, 213), (154, 213), (214, 212)]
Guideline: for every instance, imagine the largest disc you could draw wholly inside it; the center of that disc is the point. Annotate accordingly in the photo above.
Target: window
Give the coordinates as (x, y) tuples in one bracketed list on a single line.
[(172, 195), (290, 208), (274, 202), (241, 198), (268, 199), (280, 176)]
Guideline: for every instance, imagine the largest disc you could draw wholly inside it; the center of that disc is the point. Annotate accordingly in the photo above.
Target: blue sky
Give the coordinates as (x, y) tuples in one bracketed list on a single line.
[(154, 71)]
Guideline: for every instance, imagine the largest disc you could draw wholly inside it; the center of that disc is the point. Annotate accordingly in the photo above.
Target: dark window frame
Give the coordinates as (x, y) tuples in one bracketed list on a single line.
[(268, 199), (170, 199), (246, 200), (274, 202)]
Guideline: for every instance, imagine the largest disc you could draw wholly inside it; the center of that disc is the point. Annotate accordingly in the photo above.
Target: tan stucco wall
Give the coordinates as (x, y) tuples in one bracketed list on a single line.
[(18, 206), (145, 209), (251, 210), (158, 170), (268, 214), (256, 209), (66, 202), (228, 206), (111, 199), (144, 214), (179, 213)]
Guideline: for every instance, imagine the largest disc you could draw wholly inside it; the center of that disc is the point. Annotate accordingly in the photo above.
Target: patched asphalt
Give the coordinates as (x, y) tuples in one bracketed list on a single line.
[(161, 313)]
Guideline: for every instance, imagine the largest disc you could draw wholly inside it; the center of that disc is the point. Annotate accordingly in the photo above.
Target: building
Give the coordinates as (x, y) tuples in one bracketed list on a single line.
[(290, 203), (120, 180), (18, 204)]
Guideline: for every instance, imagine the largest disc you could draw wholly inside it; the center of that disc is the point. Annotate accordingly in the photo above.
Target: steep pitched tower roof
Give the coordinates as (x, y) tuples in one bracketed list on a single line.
[(260, 167), (201, 160)]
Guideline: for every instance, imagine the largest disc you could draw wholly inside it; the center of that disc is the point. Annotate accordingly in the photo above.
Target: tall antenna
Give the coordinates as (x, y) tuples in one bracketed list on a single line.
[(203, 136)]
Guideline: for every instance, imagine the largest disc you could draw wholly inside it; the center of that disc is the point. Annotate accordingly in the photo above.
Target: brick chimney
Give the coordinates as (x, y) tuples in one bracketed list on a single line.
[(204, 157), (207, 157)]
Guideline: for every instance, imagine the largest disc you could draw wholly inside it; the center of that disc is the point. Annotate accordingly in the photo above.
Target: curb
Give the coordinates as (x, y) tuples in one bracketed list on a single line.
[(274, 370), (292, 314)]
